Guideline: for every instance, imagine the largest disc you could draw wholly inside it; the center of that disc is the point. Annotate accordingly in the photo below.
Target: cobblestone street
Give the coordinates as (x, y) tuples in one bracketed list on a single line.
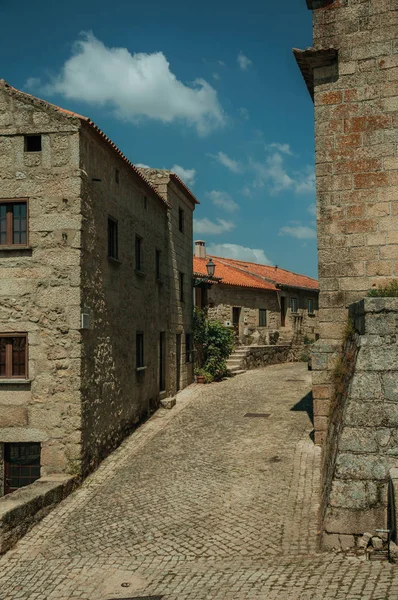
[(201, 502)]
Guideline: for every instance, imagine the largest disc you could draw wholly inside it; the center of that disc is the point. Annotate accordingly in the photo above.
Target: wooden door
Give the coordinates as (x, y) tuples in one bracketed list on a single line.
[(283, 311), (178, 360), (236, 320), (21, 465)]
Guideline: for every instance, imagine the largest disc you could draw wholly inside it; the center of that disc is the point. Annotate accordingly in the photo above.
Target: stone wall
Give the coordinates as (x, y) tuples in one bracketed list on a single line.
[(40, 283), (119, 300), (356, 124), (362, 441), (222, 299), (262, 356)]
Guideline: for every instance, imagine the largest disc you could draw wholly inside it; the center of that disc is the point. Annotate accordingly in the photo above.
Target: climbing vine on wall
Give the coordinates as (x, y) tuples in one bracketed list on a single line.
[(213, 343)]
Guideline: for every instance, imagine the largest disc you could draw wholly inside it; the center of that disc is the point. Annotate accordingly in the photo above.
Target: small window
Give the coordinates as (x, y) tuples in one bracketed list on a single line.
[(138, 253), (145, 202), (262, 317), (116, 176), (310, 306), (181, 287), (13, 223), (293, 305), (181, 220), (32, 143), (22, 465), (188, 348), (157, 258), (113, 251), (13, 356), (139, 350)]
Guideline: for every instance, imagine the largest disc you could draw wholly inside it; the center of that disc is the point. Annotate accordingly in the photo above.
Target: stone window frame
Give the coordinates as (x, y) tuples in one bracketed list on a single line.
[(113, 241), (9, 357), (262, 312), (11, 202)]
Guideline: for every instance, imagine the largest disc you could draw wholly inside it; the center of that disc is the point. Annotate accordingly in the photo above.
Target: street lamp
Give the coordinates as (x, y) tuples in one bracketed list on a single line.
[(211, 267)]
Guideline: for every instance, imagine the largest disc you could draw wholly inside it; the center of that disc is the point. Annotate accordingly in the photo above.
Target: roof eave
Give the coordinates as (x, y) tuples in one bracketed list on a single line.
[(183, 188), (313, 4), (297, 287)]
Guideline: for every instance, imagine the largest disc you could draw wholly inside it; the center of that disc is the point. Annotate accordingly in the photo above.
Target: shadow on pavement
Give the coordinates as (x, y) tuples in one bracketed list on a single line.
[(305, 405)]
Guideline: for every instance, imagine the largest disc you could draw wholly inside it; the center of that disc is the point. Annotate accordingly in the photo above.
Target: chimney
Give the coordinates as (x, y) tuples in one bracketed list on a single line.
[(200, 249)]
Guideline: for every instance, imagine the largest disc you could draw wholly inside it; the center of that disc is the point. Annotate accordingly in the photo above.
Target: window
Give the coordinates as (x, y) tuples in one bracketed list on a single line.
[(13, 223), (145, 202), (116, 176), (262, 317), (310, 306), (32, 143), (181, 287), (293, 305), (157, 258), (112, 239), (139, 350), (181, 219), (188, 348), (13, 356), (138, 253), (22, 465)]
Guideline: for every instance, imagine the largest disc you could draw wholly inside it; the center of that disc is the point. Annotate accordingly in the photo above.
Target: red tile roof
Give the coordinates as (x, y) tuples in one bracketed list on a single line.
[(230, 275), (248, 274), (91, 124)]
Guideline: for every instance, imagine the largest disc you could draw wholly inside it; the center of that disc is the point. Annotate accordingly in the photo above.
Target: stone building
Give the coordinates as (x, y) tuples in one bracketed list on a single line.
[(263, 304), (351, 73), (95, 291)]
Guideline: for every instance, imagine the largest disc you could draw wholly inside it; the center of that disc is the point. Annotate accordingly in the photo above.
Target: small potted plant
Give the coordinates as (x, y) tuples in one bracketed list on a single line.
[(200, 376)]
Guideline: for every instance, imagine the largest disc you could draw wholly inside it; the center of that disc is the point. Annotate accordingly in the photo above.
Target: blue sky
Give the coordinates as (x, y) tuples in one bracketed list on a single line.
[(210, 89)]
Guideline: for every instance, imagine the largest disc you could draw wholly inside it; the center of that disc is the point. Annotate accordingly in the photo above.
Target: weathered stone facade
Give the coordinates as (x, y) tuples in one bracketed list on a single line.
[(352, 73), (83, 391)]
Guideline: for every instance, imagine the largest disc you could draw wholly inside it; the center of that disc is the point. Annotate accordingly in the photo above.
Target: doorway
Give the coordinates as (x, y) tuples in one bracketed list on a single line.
[(162, 361), (283, 311), (178, 360), (21, 465), (235, 320)]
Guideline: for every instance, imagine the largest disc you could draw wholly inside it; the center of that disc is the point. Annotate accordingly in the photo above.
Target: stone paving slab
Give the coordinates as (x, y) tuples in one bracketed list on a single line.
[(201, 502)]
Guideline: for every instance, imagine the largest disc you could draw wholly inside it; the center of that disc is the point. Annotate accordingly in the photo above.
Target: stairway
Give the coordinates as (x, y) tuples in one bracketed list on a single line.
[(234, 362), (285, 337)]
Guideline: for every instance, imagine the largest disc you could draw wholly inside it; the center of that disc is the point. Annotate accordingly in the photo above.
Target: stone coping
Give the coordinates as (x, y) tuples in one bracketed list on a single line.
[(369, 305), (22, 509)]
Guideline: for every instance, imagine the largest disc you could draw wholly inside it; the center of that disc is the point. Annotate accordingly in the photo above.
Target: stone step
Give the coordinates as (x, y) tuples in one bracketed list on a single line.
[(233, 361), (238, 372)]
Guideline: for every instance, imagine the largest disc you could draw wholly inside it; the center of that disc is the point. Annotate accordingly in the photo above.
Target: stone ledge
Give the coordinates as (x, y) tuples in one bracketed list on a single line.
[(20, 511)]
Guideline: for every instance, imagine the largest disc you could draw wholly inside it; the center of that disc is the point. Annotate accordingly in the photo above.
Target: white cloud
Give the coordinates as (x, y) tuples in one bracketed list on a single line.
[(299, 231), (239, 253), (312, 209), (221, 63), (141, 166), (135, 86), (306, 183), (211, 228), (187, 175), (274, 173), (284, 148), (228, 162), (244, 113), (246, 191), (216, 76), (243, 62), (223, 200)]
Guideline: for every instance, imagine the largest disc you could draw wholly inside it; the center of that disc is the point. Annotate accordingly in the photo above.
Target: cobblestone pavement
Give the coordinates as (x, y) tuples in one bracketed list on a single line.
[(200, 503)]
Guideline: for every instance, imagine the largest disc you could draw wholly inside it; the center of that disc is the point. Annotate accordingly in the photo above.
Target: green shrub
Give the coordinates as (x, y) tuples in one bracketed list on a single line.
[(213, 343), (387, 291)]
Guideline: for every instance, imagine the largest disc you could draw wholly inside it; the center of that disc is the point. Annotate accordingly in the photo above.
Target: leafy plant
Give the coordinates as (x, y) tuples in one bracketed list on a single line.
[(213, 343), (387, 291)]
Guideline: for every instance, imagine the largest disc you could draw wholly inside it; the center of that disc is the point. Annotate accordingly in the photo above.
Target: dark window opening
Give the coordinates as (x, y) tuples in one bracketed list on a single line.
[(158, 265), (310, 306), (188, 348), (262, 317), (117, 176), (139, 350), (145, 202), (138, 253), (181, 287), (113, 250), (13, 356), (181, 219), (293, 305), (32, 143), (13, 224), (22, 465)]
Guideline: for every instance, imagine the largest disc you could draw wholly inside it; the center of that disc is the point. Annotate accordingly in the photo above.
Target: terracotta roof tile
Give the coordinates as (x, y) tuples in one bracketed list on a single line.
[(93, 126), (230, 275)]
